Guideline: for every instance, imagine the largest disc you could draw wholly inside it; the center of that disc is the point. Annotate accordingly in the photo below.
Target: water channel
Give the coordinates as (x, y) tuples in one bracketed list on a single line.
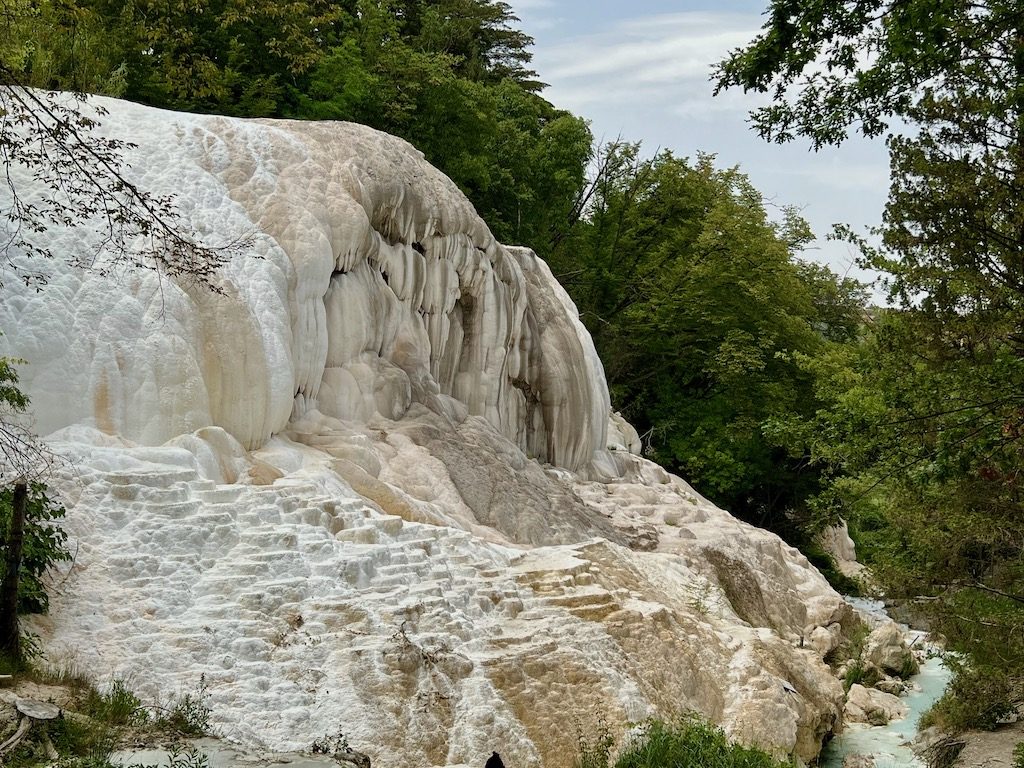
[(889, 744)]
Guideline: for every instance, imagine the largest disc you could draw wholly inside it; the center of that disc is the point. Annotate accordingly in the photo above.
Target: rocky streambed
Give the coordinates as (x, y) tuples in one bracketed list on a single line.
[(901, 677)]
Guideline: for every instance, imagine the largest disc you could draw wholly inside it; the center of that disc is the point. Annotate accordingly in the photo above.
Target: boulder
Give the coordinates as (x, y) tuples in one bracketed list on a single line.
[(869, 705), (892, 685), (824, 640), (887, 650)]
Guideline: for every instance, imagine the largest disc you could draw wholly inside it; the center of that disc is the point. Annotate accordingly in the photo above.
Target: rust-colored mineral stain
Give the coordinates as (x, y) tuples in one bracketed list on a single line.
[(101, 406)]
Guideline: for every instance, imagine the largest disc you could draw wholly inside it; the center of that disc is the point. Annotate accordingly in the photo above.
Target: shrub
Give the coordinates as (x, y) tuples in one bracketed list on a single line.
[(118, 706), (859, 673), (189, 713), (977, 697), (83, 743), (687, 742)]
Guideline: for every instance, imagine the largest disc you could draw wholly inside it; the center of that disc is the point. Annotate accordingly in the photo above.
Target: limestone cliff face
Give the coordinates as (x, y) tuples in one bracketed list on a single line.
[(375, 486)]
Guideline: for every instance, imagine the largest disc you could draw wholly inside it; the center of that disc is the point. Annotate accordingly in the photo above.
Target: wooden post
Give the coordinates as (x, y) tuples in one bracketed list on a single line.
[(10, 638)]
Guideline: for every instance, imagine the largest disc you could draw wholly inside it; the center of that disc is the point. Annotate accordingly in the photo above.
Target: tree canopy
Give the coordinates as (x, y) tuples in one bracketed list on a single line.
[(923, 425), (834, 66), (700, 310), (452, 77)]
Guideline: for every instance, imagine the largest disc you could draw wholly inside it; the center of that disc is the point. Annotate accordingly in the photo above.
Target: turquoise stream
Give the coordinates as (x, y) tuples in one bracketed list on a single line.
[(889, 744)]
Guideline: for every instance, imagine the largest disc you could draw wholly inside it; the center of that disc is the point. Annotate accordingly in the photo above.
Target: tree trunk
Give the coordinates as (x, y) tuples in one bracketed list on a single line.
[(10, 639)]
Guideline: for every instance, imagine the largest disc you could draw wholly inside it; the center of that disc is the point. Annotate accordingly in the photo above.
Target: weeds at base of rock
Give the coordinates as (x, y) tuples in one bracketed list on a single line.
[(688, 740), (594, 750), (178, 757), (187, 714), (90, 730)]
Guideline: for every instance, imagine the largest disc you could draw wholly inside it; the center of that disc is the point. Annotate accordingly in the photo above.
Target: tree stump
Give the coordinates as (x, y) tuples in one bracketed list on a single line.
[(33, 712)]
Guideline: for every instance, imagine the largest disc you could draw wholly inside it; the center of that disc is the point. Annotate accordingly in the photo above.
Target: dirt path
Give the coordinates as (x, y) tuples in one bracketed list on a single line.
[(991, 749)]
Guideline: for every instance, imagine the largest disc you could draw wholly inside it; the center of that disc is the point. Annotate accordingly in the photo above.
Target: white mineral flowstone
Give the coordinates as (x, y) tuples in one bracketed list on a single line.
[(367, 283), (375, 487)]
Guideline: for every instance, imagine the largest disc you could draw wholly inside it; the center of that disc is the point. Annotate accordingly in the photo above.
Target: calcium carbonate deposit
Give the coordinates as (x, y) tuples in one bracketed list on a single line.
[(375, 486)]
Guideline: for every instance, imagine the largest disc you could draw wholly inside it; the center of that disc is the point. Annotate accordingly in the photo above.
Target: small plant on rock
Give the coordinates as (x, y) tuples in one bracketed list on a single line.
[(1018, 755), (595, 749), (859, 673), (189, 713)]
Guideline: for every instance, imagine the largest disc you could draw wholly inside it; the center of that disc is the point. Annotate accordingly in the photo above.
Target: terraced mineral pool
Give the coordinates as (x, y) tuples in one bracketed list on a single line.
[(889, 745)]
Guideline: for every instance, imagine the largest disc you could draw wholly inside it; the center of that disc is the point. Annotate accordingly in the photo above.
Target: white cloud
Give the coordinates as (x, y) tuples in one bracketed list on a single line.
[(667, 55), (529, 5), (648, 77)]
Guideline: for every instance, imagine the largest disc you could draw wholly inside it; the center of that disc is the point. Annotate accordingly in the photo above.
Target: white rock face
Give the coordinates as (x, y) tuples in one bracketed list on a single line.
[(836, 541), (886, 649), (376, 286), (374, 488)]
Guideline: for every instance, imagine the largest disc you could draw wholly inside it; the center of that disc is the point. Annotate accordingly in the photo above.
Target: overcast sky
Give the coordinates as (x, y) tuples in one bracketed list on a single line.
[(640, 70)]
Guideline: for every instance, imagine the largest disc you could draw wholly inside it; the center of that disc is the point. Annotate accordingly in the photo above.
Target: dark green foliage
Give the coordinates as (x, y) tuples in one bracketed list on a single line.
[(825, 563), (702, 313), (809, 56), (12, 398), (687, 742), (452, 77), (977, 697), (44, 545)]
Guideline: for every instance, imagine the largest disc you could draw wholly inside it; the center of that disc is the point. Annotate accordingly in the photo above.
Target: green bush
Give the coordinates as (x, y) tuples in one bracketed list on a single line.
[(82, 743), (1018, 755), (977, 697), (189, 713), (118, 706), (687, 742), (44, 544), (859, 673)]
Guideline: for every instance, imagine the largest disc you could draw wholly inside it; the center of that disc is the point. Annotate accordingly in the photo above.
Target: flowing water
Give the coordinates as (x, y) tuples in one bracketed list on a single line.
[(889, 744)]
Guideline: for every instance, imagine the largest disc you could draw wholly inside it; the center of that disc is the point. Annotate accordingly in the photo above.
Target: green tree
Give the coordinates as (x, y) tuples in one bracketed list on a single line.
[(43, 547), (927, 432), (699, 310), (451, 77), (30, 543)]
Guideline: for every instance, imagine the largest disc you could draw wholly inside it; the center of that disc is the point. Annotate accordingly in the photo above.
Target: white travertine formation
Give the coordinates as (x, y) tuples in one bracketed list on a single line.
[(377, 286), (375, 486)]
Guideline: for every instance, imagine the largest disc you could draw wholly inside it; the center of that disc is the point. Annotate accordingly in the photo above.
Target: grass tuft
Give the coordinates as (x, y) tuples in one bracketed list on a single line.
[(686, 742)]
